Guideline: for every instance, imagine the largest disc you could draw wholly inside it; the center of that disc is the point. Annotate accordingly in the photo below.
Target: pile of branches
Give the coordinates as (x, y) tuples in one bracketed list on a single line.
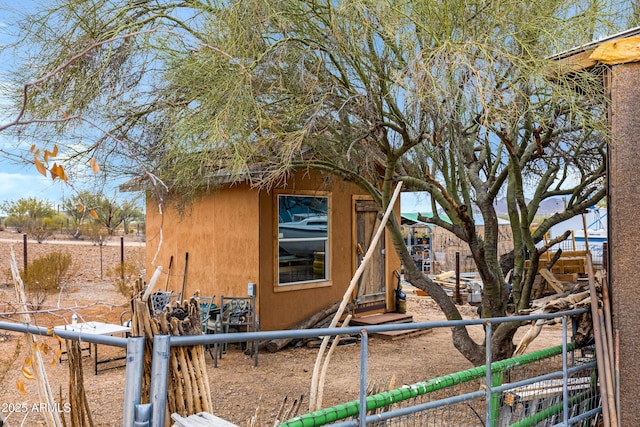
[(188, 390), (321, 319)]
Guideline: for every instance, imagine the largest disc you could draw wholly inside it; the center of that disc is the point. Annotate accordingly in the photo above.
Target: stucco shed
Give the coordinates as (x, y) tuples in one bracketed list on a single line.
[(238, 235)]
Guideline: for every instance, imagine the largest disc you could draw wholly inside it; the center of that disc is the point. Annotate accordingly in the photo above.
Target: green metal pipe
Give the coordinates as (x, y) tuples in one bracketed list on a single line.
[(380, 400), (547, 412)]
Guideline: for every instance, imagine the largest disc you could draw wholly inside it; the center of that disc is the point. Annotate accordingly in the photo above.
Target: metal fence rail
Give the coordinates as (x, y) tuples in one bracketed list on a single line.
[(459, 399), (555, 386)]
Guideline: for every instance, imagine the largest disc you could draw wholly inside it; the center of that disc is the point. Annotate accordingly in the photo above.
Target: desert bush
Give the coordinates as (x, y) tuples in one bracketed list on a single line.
[(124, 277), (45, 275), (40, 229), (94, 232)]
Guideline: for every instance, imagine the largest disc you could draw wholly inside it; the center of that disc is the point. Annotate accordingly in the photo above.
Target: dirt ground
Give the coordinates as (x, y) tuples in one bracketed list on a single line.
[(238, 388)]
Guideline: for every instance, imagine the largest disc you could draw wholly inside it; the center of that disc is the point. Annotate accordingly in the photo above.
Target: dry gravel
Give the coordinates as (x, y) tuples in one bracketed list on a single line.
[(237, 387)]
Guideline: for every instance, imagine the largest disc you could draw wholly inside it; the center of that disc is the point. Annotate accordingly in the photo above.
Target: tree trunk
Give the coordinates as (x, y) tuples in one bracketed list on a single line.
[(471, 350)]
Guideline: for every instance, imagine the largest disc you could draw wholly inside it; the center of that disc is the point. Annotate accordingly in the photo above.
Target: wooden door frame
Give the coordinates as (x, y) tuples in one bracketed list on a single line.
[(388, 301)]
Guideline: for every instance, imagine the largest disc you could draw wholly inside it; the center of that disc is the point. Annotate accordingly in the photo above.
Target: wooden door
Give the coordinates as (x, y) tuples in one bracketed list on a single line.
[(371, 289)]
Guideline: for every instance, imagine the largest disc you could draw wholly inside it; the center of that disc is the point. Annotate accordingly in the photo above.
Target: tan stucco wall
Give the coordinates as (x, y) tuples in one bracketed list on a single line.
[(218, 232), (230, 238), (624, 232)]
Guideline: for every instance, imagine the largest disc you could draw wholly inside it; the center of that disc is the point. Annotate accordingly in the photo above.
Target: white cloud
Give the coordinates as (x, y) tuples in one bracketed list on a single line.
[(415, 202), (14, 186)]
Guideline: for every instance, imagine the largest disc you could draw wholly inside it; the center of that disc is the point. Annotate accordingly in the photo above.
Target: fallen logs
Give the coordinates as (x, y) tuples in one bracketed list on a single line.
[(321, 319)]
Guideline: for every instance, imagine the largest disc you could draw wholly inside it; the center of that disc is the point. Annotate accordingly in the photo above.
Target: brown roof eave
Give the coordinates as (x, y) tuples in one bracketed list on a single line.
[(143, 184)]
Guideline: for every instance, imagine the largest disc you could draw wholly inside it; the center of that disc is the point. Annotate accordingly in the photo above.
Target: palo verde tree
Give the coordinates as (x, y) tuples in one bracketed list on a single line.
[(109, 213), (461, 99), (35, 217)]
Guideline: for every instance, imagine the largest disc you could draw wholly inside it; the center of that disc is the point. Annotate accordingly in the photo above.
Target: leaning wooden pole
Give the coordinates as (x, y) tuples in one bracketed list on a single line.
[(347, 296), (606, 309), (609, 411), (52, 418), (325, 365)]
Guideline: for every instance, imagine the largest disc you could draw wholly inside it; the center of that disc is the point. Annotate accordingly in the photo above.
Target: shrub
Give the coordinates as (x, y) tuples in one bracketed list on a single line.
[(124, 277), (45, 275), (40, 230), (94, 232)]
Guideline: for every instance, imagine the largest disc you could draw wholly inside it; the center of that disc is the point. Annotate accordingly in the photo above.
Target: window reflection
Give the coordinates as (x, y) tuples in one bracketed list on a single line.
[(302, 238)]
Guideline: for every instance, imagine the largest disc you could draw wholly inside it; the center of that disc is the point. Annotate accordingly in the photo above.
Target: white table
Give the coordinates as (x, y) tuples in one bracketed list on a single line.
[(96, 328)]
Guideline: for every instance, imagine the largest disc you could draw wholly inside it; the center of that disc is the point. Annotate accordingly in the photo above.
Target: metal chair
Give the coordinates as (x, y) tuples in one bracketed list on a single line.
[(125, 320), (161, 299), (236, 314), (206, 304)]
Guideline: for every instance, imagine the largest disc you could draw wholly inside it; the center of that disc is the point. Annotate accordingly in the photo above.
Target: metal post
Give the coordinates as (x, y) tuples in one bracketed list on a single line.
[(363, 377), (122, 259), (133, 379), (159, 373), (143, 416), (488, 378), (100, 243), (24, 251), (565, 379), (457, 293)]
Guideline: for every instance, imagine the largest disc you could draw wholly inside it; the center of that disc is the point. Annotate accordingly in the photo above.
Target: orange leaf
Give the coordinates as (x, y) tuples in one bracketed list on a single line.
[(48, 153), (94, 165), (57, 171), (33, 148), (80, 208), (27, 373), (20, 386), (44, 348), (41, 167), (93, 214)]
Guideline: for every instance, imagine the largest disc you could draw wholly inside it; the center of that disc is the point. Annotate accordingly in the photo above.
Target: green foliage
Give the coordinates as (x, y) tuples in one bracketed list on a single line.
[(124, 277), (90, 212), (28, 214), (461, 99), (45, 276)]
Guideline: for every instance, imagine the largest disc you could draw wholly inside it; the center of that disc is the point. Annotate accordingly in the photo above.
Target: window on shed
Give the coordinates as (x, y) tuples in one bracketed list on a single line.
[(303, 239)]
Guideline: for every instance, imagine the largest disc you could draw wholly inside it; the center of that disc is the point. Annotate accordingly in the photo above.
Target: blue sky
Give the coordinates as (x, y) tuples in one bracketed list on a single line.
[(21, 181), (18, 181)]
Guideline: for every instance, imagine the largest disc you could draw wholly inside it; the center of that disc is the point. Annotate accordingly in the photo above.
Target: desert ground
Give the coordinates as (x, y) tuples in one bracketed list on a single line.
[(238, 388)]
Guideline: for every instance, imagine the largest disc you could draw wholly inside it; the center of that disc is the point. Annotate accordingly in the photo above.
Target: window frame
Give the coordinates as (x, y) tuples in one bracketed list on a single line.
[(305, 284)]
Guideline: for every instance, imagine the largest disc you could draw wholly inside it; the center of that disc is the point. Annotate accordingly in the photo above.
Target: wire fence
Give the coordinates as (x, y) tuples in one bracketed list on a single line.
[(544, 388), (549, 387)]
